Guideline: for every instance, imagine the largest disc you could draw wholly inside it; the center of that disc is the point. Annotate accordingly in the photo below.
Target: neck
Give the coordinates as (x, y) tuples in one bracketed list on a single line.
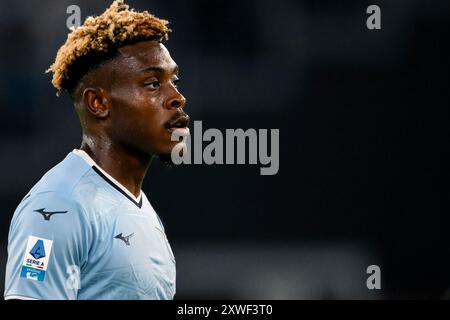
[(127, 167)]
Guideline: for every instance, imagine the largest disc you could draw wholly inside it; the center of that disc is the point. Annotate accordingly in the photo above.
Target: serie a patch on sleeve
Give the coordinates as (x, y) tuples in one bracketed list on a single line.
[(35, 260)]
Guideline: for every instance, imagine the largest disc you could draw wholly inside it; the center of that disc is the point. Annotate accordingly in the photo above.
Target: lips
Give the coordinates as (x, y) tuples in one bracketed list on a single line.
[(180, 125)]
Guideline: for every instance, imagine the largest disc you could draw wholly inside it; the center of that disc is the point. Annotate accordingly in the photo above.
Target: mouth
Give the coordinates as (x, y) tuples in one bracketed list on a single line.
[(179, 125)]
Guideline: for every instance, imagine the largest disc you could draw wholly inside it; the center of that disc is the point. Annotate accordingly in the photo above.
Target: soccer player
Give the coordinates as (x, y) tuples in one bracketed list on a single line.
[(86, 230)]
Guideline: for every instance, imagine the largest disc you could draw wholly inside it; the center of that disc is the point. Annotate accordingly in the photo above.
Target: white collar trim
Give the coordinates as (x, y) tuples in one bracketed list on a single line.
[(82, 154)]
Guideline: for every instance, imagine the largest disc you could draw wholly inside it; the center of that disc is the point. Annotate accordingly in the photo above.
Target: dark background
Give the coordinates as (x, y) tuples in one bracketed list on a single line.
[(362, 115)]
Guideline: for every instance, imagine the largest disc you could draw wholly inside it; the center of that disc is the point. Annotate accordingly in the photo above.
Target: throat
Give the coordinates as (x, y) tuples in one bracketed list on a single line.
[(125, 171)]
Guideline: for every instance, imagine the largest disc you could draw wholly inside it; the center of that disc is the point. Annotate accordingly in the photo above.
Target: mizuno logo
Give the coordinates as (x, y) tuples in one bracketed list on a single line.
[(48, 214), (125, 239)]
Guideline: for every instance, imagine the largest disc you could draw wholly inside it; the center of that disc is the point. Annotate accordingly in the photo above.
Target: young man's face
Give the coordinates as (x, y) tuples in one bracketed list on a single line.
[(145, 101)]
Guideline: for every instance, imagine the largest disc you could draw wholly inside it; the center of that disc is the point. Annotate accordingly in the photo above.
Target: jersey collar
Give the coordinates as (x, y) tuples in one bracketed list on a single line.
[(116, 184)]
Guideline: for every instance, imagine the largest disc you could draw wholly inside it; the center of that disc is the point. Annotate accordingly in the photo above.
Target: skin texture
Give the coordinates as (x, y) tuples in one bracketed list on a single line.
[(126, 107)]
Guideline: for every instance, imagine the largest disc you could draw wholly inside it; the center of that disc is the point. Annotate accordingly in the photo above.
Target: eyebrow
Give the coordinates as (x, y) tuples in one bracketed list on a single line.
[(175, 70)]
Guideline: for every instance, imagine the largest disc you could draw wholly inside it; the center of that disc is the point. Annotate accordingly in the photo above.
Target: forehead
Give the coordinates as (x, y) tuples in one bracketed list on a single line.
[(145, 54)]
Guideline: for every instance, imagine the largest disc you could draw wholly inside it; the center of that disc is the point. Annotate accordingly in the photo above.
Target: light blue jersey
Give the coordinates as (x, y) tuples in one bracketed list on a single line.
[(79, 234)]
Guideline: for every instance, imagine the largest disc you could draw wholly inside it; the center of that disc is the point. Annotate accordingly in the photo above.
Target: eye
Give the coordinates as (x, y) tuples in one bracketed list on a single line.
[(176, 82), (152, 84)]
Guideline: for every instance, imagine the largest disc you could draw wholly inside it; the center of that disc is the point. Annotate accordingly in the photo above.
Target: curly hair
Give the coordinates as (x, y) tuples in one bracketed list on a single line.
[(97, 41)]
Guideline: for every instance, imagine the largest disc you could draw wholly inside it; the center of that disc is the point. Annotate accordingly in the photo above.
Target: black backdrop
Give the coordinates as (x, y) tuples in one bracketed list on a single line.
[(363, 137)]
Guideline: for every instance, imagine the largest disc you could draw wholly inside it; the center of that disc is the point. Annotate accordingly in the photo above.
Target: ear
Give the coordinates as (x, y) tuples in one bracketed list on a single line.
[(97, 102)]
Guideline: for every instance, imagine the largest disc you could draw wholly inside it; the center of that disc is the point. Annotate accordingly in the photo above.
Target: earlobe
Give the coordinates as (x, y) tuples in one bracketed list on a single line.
[(96, 102)]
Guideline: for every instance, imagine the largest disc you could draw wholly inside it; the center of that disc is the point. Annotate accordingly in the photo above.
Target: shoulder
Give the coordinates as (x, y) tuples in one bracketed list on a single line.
[(51, 202), (63, 178), (72, 183), (48, 210)]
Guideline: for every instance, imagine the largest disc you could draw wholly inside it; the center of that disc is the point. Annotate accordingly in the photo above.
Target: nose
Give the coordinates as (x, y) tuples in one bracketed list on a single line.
[(176, 101)]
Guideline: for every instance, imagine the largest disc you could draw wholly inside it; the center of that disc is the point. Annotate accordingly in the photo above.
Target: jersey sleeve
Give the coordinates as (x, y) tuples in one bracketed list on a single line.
[(48, 245)]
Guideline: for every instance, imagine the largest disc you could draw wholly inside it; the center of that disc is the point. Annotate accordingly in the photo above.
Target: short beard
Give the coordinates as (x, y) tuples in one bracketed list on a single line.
[(166, 160)]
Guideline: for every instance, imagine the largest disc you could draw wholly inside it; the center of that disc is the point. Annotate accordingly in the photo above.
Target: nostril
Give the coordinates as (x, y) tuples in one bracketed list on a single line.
[(175, 104)]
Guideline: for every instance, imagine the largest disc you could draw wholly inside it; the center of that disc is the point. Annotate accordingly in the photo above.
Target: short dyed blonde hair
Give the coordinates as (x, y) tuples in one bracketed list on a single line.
[(117, 26)]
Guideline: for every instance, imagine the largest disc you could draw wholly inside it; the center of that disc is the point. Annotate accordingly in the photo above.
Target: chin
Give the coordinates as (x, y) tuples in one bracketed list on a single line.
[(165, 153), (166, 159)]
